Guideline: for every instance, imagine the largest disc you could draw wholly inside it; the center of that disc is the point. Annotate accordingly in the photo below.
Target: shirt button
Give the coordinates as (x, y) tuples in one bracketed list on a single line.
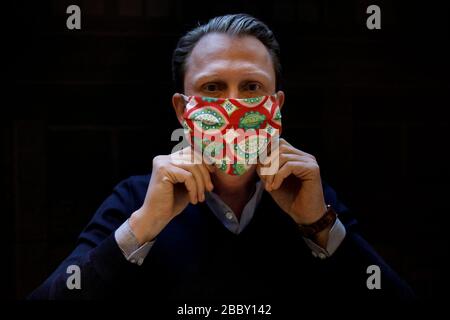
[(140, 261), (229, 215), (322, 255), (133, 260), (314, 254)]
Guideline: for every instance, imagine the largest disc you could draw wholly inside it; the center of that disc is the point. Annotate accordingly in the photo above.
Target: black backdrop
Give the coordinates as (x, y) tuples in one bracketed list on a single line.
[(370, 104)]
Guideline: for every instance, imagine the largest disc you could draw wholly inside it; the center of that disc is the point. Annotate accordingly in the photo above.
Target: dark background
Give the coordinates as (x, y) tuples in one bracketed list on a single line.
[(87, 108)]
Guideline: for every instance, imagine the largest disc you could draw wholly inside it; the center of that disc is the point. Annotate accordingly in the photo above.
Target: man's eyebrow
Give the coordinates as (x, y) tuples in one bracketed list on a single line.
[(254, 75), (208, 77), (218, 77)]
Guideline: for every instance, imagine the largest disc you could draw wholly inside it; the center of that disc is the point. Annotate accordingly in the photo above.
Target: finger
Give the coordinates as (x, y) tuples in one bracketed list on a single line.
[(269, 182), (210, 167), (185, 160), (206, 177), (268, 162), (286, 157), (182, 157), (285, 171), (198, 180), (186, 156), (180, 175)]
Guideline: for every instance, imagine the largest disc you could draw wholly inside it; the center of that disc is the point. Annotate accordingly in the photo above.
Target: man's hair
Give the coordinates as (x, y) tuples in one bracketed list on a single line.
[(233, 25)]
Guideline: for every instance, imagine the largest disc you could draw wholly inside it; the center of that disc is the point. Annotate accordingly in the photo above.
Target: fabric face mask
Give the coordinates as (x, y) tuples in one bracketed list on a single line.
[(232, 133)]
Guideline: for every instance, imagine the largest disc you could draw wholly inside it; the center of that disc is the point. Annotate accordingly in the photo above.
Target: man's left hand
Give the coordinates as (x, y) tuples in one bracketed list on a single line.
[(296, 187)]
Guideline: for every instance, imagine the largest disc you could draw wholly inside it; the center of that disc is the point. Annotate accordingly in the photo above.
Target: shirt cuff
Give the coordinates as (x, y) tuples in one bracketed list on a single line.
[(335, 238), (128, 244)]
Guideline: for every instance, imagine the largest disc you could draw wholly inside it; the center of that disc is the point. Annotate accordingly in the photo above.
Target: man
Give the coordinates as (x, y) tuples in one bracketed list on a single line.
[(203, 231)]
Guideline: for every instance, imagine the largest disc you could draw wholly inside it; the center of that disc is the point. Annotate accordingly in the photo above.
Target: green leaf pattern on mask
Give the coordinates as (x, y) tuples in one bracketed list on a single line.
[(208, 119), (251, 120)]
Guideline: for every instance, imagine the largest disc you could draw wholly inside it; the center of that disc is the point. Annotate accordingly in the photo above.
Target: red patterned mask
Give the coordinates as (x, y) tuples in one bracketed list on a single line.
[(232, 133)]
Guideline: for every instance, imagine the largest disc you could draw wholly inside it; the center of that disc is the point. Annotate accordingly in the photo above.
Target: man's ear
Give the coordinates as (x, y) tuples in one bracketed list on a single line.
[(280, 98), (179, 104)]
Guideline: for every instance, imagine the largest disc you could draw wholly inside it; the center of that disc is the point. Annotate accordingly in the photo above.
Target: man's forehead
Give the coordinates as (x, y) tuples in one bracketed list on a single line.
[(222, 47)]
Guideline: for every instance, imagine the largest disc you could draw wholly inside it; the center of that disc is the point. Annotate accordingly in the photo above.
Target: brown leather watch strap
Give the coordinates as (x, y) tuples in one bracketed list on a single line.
[(327, 220)]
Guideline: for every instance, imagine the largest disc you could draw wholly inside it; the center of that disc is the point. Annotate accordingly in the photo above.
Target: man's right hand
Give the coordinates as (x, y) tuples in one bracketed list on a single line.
[(175, 182)]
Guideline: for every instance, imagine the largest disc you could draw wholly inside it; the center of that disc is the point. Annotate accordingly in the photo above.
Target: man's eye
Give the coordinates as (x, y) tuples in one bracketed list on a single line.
[(211, 87), (253, 86)]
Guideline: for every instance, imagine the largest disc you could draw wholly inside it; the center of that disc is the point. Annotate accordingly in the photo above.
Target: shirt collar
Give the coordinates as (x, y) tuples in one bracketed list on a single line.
[(227, 217)]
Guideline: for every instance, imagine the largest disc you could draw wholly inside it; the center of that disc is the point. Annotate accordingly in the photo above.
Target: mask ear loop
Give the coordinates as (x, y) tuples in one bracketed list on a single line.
[(186, 101), (186, 98)]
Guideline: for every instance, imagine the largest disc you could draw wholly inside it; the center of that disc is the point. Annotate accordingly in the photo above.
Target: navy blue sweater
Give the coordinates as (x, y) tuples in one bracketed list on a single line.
[(195, 257)]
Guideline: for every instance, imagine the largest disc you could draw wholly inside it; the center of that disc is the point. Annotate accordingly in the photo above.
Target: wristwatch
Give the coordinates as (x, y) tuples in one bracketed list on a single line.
[(327, 220)]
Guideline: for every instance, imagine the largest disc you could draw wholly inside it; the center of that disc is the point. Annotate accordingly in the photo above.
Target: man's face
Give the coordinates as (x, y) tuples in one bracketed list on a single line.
[(223, 66)]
